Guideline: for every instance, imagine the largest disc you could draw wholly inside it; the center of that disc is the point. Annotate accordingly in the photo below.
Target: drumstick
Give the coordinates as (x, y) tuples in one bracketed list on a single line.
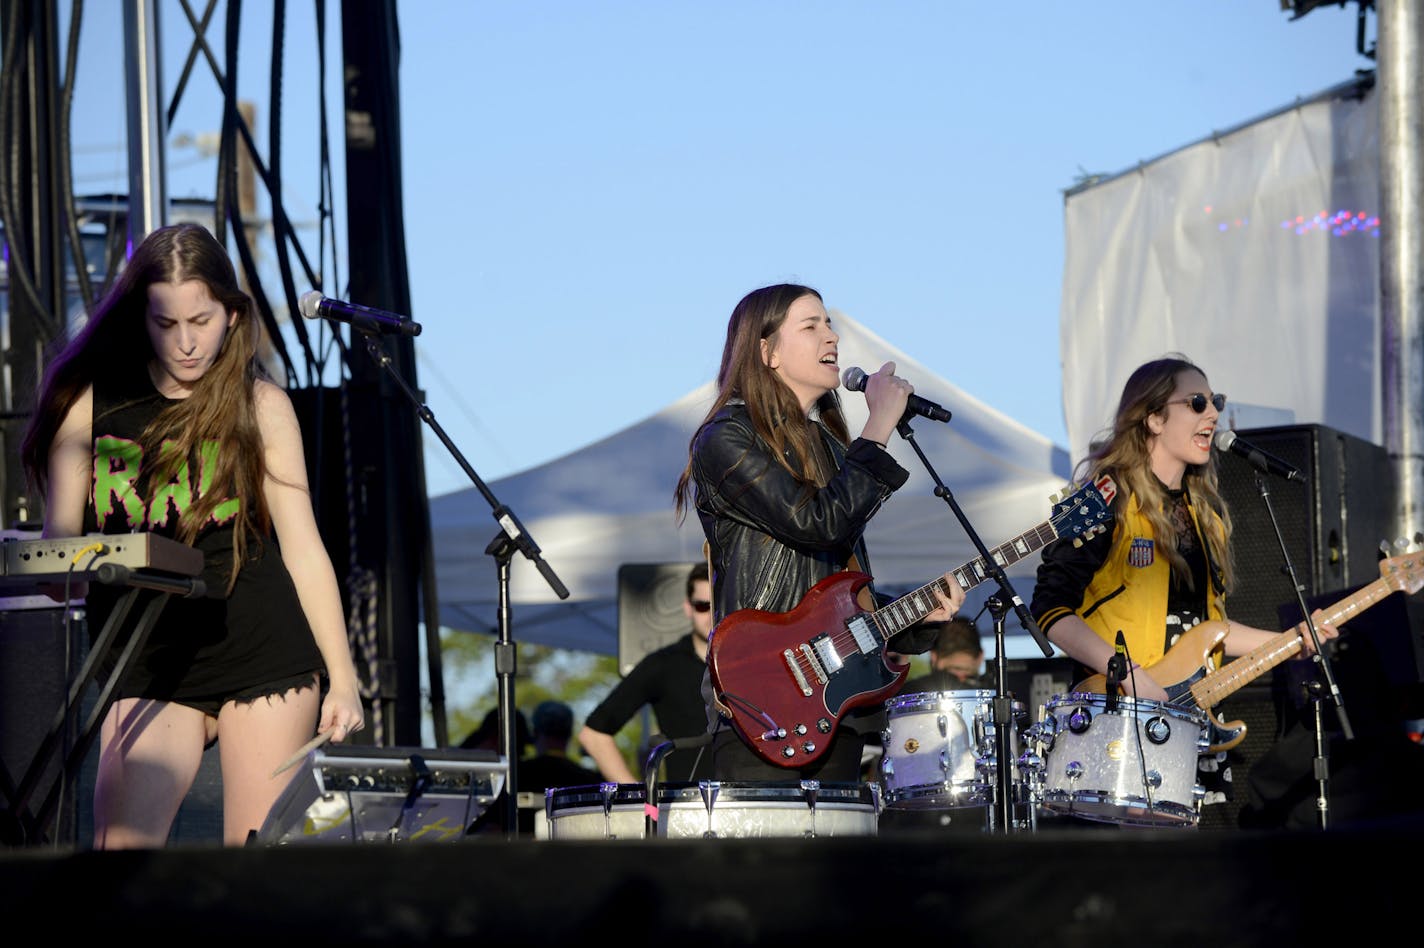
[(306, 749)]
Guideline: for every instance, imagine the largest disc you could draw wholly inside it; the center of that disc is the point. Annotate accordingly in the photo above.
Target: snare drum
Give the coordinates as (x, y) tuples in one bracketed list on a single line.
[(940, 749), (711, 808), (1134, 764)]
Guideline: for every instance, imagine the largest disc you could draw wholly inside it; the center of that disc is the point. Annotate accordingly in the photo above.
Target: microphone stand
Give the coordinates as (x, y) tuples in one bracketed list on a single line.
[(1003, 702), (512, 537), (1314, 689)]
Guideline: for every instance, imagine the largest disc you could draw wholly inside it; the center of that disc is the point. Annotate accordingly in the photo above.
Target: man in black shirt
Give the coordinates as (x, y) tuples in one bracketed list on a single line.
[(956, 660), (670, 681)]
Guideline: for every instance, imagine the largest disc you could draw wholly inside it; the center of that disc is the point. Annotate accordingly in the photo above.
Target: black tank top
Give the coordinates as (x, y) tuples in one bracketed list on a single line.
[(199, 649)]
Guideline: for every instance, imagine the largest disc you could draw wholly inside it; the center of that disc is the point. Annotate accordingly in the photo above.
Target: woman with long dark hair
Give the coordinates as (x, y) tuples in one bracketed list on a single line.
[(158, 416)]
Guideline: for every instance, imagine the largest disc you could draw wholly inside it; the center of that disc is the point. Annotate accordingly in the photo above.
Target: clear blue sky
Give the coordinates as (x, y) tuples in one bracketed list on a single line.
[(590, 187)]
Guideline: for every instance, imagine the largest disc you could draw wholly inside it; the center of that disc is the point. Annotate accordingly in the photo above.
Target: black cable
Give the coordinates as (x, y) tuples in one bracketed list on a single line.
[(18, 267), (62, 160)]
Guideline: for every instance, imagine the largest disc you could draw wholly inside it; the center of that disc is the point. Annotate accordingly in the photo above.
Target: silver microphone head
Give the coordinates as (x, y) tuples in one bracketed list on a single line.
[(1224, 439), (309, 303), (854, 378)]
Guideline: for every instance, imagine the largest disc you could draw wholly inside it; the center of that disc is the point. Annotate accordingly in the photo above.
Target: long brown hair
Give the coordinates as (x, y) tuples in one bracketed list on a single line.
[(114, 345), (1123, 452), (775, 411)]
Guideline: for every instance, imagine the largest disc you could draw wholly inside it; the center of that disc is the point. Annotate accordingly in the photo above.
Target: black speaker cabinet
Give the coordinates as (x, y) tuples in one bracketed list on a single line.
[(650, 597), (1332, 525), (40, 650)]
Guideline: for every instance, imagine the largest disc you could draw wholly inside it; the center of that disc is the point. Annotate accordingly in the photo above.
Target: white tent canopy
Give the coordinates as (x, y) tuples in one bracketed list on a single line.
[(611, 503), (1255, 252)]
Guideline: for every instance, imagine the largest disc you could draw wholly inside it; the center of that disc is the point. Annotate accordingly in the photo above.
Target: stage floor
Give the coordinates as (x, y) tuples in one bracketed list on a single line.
[(1057, 887)]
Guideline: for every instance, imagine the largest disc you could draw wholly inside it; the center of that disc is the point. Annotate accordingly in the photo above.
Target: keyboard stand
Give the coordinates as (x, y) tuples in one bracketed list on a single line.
[(18, 827)]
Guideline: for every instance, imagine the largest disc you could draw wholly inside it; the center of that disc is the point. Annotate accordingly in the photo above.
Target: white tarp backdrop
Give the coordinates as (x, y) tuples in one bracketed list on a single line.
[(1255, 252), (611, 503)]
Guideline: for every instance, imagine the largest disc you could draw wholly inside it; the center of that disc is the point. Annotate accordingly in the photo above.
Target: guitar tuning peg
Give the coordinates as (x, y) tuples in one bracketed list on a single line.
[(1055, 497), (1384, 548), (1077, 541)]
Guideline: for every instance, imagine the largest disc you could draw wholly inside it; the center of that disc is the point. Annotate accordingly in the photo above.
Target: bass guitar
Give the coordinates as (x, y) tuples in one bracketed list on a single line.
[(1187, 674), (788, 678)]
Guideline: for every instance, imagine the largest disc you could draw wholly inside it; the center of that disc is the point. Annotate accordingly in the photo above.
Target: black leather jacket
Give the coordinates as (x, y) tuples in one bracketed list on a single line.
[(770, 541)]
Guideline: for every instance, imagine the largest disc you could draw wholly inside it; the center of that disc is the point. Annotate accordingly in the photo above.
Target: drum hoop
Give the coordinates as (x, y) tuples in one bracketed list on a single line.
[(1144, 707), (729, 791)]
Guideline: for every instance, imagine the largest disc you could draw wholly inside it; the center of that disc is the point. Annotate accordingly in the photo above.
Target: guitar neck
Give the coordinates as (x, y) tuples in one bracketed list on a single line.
[(914, 606), (1238, 674)]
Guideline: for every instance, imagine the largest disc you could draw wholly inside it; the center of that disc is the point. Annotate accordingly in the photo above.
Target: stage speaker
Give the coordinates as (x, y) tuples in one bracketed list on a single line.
[(1332, 525), (385, 795), (650, 598), (40, 653)]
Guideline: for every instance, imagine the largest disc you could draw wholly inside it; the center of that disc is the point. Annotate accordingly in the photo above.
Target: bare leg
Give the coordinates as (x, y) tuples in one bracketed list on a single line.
[(254, 738), (149, 754)]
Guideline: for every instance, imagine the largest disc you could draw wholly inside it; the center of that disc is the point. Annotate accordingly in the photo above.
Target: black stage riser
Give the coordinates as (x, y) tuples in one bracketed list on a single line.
[(1158, 887)]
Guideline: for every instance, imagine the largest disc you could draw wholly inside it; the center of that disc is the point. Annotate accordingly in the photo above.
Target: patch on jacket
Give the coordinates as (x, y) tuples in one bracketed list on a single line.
[(1140, 553)]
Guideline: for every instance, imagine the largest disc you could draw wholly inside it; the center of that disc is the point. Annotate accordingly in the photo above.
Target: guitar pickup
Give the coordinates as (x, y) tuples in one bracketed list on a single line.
[(825, 659), (865, 638)]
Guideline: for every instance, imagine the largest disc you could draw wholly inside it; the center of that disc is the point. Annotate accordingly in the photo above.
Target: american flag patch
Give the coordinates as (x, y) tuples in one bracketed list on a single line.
[(1140, 553)]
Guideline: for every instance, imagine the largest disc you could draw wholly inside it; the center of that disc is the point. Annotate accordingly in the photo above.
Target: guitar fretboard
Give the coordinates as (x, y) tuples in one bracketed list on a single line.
[(914, 606)]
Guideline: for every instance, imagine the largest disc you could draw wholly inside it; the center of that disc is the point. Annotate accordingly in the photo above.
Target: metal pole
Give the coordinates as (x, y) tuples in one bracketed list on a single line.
[(148, 122), (1401, 123)]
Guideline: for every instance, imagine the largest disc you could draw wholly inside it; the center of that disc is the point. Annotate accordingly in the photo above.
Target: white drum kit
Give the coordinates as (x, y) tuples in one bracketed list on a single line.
[(1106, 759)]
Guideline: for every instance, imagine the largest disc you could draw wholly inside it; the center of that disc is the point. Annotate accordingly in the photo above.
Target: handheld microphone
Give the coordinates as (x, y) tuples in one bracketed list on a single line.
[(362, 318), (855, 377), (1260, 460)]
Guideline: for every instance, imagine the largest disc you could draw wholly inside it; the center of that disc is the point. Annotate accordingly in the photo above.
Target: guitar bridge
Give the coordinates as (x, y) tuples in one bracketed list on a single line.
[(817, 667), (789, 657)]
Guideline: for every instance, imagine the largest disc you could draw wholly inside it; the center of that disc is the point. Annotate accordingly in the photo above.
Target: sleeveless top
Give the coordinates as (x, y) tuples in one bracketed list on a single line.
[(203, 649)]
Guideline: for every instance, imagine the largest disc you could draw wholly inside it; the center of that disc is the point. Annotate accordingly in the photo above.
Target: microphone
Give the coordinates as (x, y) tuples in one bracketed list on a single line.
[(1117, 671), (363, 318), (1260, 460), (855, 377)]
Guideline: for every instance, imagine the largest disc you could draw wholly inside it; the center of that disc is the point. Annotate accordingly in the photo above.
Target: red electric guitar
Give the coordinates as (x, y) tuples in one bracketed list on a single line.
[(788, 678)]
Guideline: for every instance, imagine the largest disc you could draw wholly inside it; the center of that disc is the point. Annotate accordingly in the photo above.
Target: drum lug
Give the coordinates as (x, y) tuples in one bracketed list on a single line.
[(1074, 770), (1154, 779), (1158, 729)]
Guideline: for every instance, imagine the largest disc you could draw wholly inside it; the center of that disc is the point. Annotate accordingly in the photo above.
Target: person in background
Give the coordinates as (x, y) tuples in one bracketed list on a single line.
[(956, 660), (668, 679), (486, 736), (551, 765), (1167, 563), (784, 496), (159, 417)]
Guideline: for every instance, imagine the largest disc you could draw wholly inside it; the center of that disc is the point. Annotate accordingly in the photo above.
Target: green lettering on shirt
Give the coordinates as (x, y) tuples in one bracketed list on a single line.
[(116, 468), (117, 464)]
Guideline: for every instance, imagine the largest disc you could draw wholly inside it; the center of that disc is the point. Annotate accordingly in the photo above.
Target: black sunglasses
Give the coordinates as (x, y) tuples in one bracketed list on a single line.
[(700, 605), (1198, 402)]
